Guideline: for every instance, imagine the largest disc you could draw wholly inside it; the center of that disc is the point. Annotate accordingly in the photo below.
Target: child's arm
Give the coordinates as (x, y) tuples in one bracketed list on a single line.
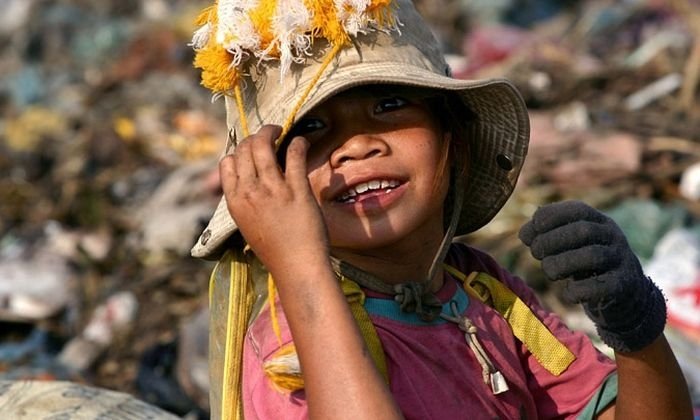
[(280, 220), (650, 385), (588, 250)]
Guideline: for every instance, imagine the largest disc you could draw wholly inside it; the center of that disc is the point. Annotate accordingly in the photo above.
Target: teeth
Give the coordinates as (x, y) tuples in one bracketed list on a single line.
[(361, 188), (368, 186)]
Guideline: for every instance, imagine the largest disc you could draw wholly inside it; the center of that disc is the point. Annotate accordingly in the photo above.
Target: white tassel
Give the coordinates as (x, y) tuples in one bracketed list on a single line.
[(291, 28), (201, 36), (288, 363), (353, 16), (292, 24), (235, 31)]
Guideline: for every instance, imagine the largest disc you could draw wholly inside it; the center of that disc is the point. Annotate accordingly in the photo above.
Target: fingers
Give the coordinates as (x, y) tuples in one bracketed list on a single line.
[(251, 176), (227, 175), (527, 233), (244, 165), (572, 236), (581, 263), (592, 289), (253, 159), (263, 153), (565, 226), (554, 215), (296, 162)]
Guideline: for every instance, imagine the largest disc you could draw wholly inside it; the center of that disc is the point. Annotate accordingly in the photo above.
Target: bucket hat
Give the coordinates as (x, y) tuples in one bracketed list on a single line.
[(380, 42)]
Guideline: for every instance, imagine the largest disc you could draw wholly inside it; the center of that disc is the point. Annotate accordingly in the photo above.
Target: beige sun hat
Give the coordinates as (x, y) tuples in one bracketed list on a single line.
[(388, 44)]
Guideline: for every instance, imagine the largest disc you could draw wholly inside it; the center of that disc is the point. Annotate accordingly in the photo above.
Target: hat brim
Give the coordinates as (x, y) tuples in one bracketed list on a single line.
[(498, 139)]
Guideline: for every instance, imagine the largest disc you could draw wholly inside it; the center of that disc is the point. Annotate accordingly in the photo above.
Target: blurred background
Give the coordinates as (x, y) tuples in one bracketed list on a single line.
[(108, 151)]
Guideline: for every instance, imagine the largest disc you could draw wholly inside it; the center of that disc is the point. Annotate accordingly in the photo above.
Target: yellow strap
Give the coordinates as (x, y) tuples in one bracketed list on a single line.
[(552, 354), (240, 304), (356, 300), (282, 368)]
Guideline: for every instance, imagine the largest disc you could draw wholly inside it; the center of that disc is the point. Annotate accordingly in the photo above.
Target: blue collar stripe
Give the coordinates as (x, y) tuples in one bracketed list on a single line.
[(388, 308)]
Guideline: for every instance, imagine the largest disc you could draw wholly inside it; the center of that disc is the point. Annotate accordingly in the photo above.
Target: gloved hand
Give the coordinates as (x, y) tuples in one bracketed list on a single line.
[(587, 250)]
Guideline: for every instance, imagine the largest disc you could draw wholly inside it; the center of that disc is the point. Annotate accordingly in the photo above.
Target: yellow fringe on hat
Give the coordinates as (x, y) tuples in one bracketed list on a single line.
[(212, 57), (281, 30), (325, 22), (215, 63), (276, 29), (261, 17), (208, 14)]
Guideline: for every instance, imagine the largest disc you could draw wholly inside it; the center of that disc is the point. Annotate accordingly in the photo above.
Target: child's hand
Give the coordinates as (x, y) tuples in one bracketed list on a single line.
[(276, 212), (585, 248)]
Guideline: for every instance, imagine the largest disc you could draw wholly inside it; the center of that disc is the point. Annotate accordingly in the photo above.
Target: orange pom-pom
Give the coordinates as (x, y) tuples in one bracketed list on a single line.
[(217, 73)]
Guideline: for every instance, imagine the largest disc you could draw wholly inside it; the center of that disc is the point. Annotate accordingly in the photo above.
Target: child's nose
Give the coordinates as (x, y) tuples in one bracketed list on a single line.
[(358, 147)]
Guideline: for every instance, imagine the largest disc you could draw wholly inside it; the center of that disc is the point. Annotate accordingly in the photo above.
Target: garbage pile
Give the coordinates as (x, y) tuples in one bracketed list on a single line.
[(108, 148), (615, 114)]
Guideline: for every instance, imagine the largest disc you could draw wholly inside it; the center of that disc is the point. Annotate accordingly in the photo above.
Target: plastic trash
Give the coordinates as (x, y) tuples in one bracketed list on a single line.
[(645, 222), (35, 288), (675, 267), (654, 91), (192, 365), (31, 400), (14, 15), (689, 186), (156, 381), (184, 201), (573, 117), (110, 318)]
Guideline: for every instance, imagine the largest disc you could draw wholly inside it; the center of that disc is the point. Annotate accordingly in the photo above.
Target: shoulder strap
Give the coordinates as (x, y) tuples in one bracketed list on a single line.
[(551, 353), (231, 302), (356, 300)]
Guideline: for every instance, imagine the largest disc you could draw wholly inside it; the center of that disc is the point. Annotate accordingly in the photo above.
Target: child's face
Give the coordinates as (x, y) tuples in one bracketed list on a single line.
[(374, 167)]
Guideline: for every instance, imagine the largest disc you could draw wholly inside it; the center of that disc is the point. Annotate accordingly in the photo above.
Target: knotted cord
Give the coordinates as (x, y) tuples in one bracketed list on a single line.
[(489, 373)]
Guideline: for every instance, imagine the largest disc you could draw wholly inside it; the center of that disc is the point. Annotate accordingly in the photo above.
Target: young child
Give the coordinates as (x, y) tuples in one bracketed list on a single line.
[(353, 160)]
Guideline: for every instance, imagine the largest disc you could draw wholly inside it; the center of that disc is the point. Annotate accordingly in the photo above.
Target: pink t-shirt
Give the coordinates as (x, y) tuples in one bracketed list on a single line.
[(433, 374)]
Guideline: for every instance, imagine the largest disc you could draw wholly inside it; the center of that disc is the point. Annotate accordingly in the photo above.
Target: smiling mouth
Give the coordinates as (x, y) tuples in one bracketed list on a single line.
[(368, 189)]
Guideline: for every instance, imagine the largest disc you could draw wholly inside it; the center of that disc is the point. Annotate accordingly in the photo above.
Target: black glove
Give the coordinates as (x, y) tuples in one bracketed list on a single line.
[(579, 244)]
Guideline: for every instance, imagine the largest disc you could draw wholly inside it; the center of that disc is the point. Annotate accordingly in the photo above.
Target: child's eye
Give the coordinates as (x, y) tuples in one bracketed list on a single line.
[(390, 104), (306, 126)]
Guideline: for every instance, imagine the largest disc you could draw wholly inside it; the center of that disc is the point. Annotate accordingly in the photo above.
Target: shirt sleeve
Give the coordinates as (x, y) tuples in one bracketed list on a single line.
[(607, 393), (585, 380)]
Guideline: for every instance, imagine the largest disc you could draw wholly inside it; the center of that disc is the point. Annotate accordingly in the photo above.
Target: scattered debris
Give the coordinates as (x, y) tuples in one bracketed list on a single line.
[(35, 288), (112, 317)]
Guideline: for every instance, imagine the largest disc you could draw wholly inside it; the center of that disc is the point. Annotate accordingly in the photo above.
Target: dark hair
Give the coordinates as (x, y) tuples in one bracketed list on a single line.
[(454, 117)]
